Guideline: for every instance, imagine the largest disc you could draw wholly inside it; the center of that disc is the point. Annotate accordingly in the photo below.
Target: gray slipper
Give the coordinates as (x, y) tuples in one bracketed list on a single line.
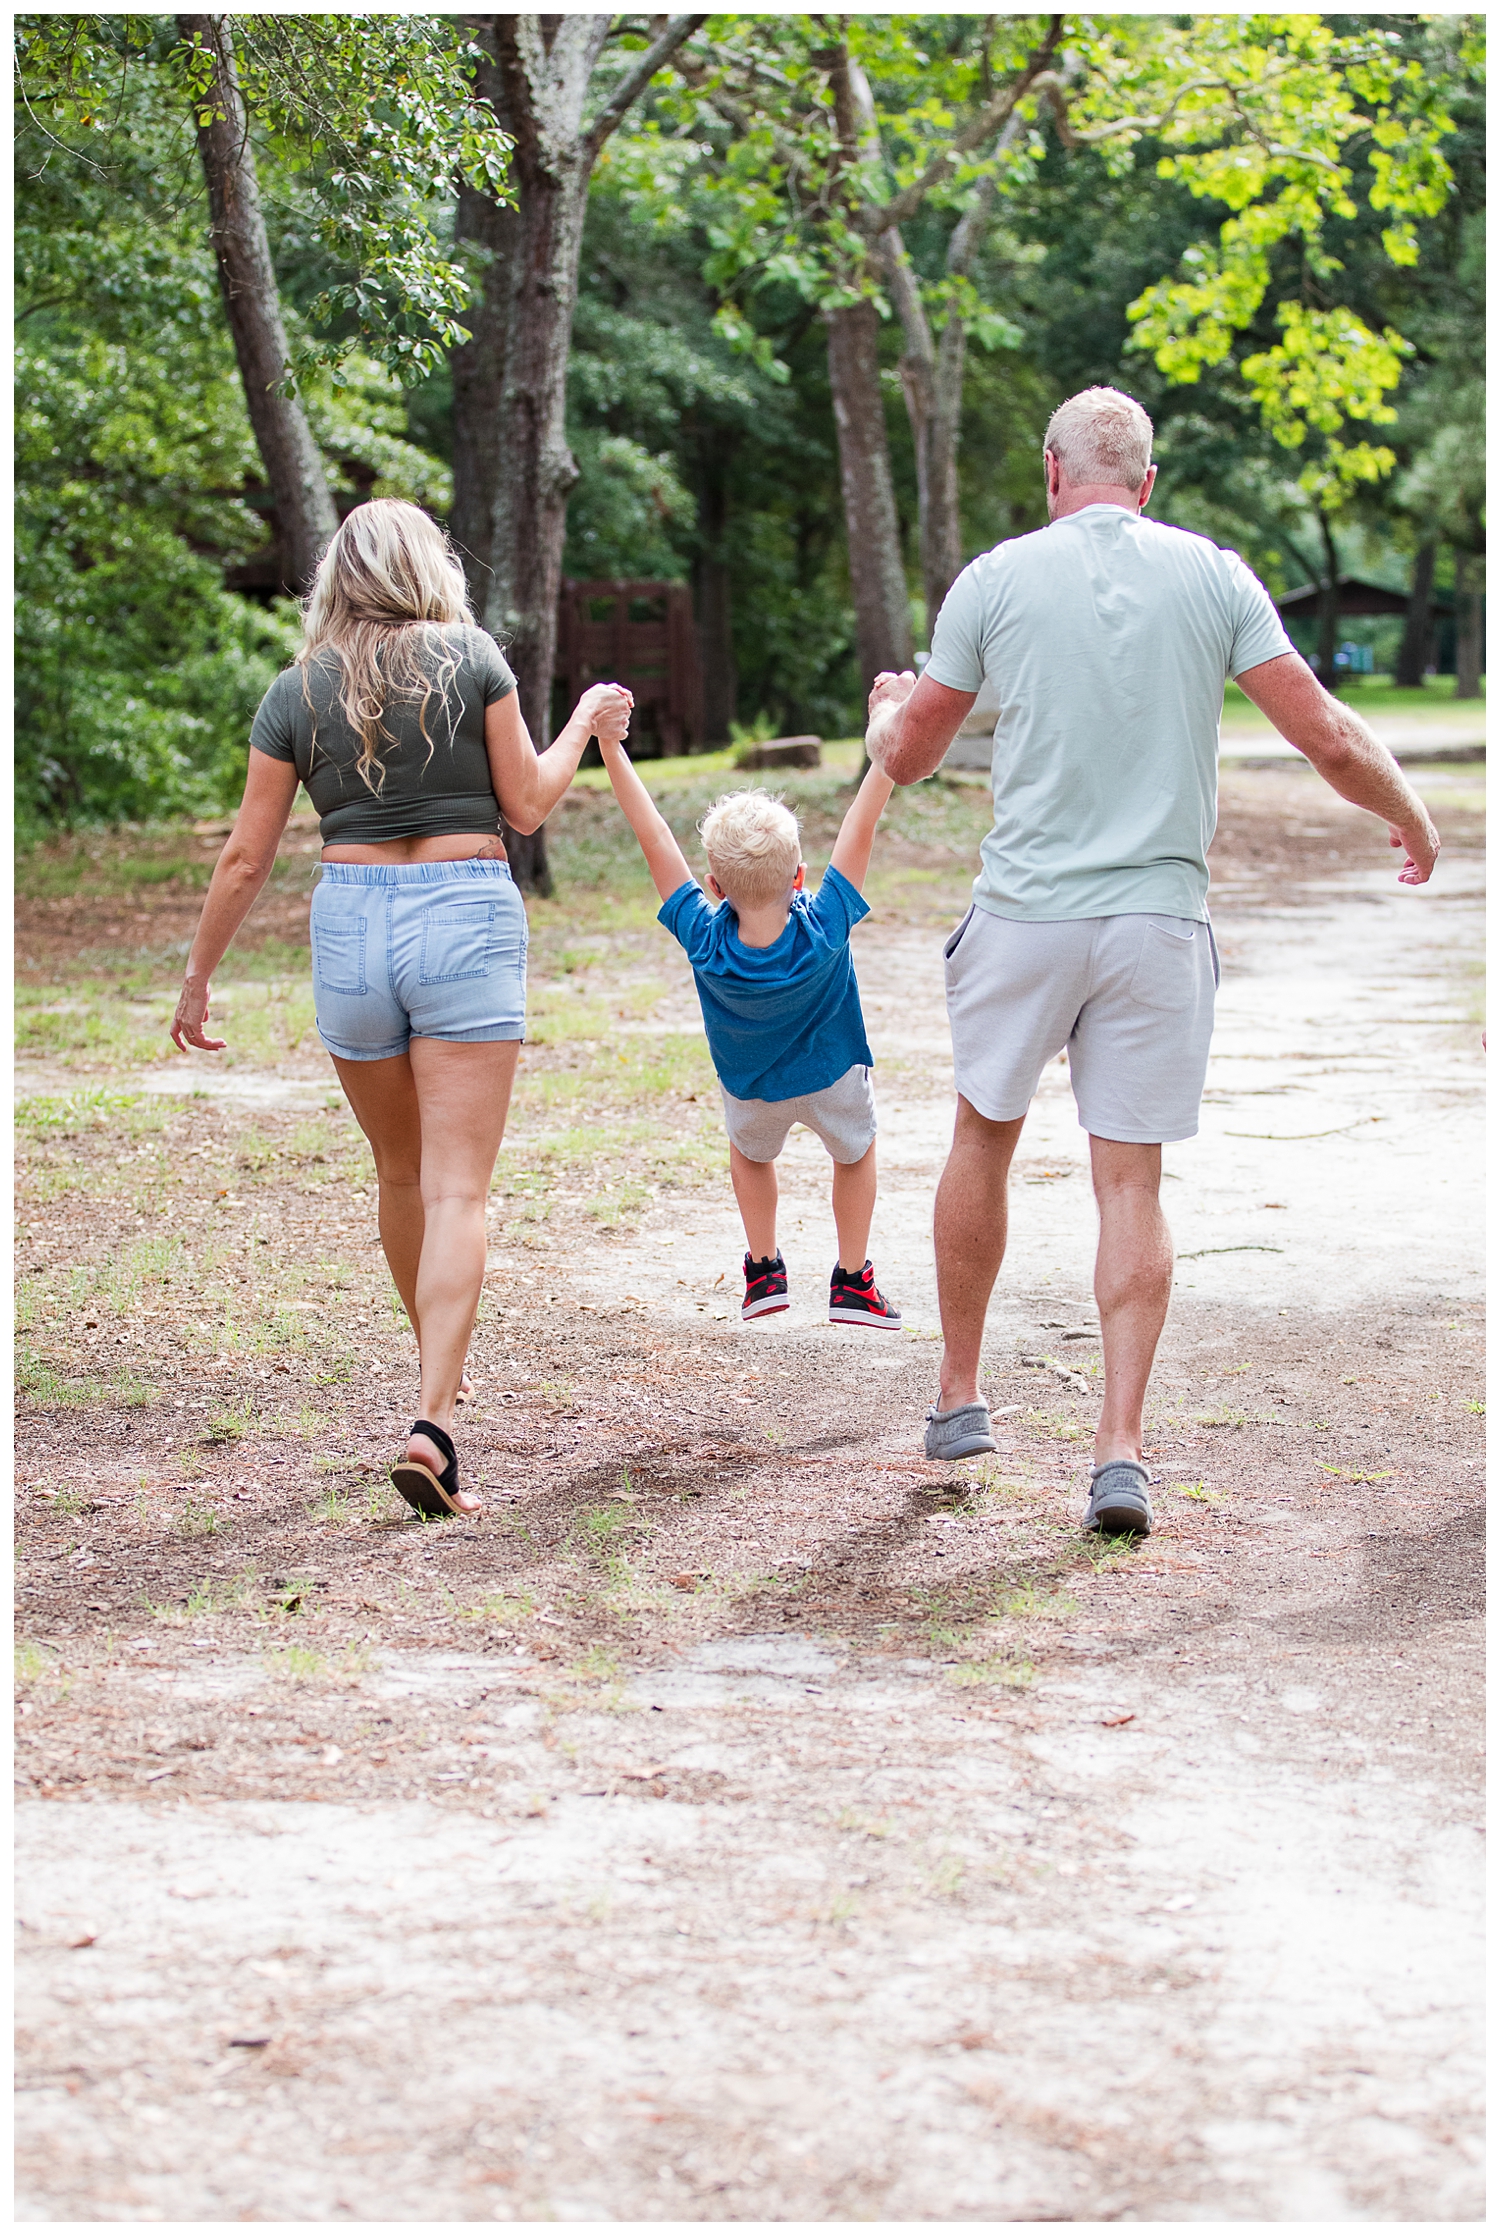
[(959, 1434), (1118, 1498)]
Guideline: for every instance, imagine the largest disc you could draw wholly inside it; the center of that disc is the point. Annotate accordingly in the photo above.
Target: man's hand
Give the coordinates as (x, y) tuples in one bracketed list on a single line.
[(192, 1015), (912, 724), (1422, 846), (1347, 755), (892, 690)]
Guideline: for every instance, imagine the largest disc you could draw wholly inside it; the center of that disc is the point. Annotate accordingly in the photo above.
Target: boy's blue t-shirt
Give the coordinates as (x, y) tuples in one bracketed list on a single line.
[(782, 1020)]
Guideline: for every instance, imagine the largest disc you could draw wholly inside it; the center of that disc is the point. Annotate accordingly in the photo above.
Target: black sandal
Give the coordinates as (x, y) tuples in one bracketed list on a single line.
[(433, 1495)]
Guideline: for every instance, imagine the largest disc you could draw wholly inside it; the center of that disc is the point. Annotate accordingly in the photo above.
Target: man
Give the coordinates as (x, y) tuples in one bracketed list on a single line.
[(1108, 639)]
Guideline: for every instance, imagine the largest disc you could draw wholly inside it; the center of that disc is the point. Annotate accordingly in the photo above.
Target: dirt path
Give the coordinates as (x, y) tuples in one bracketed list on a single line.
[(746, 1820)]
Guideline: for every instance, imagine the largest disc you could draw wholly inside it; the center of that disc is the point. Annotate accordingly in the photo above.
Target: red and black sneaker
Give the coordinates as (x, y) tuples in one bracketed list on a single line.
[(765, 1286), (855, 1298)]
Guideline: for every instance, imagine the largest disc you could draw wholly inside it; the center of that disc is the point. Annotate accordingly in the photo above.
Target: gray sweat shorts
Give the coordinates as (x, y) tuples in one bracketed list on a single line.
[(842, 1116), (1131, 999)]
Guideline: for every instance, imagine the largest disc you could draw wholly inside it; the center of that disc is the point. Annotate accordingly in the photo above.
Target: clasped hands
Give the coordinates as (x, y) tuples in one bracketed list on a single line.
[(607, 708)]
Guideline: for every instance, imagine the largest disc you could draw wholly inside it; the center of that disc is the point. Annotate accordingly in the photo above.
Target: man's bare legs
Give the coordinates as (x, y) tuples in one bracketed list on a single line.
[(1132, 1273), (1132, 1286), (968, 1232)]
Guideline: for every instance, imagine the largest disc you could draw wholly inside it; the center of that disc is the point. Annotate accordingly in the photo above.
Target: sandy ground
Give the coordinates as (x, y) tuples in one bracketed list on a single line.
[(748, 1821)]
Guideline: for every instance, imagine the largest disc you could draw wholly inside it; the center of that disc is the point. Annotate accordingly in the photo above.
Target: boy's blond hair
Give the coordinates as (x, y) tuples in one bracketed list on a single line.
[(753, 845)]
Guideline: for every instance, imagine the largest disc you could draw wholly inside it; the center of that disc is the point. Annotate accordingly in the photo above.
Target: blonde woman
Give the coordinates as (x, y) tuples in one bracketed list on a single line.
[(401, 718)]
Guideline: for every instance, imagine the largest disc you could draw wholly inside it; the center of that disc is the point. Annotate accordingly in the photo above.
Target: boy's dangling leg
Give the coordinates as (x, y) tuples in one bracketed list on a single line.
[(854, 1208), (755, 1191), (852, 1295)]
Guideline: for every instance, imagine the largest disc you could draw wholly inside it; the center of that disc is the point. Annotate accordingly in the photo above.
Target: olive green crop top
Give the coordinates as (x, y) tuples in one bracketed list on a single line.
[(430, 788)]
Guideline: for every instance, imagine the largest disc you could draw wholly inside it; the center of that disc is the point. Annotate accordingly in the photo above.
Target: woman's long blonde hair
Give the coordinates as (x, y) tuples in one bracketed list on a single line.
[(386, 588)]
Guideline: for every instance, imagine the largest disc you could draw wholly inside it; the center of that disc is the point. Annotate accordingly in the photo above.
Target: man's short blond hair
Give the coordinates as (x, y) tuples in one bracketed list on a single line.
[(1101, 435), (754, 846)]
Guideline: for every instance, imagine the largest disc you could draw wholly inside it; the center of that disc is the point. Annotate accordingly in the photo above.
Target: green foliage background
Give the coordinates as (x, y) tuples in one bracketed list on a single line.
[(697, 438)]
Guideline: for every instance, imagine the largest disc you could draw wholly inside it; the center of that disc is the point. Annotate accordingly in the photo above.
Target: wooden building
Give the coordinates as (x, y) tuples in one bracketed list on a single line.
[(641, 634)]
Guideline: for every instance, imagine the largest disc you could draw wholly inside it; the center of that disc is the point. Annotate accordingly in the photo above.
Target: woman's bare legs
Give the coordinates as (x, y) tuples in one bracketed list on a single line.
[(460, 1091), (383, 1097)]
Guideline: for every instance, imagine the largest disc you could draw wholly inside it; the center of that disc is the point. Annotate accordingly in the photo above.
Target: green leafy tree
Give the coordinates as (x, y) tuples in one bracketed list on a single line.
[(138, 481), (377, 110)]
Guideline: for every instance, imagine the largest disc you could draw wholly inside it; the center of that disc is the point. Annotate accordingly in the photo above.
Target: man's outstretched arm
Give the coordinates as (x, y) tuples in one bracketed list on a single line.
[(1346, 754), (912, 724)]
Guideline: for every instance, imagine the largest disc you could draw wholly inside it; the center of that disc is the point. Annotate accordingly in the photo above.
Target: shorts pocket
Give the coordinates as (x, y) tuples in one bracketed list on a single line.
[(338, 954), (951, 948), (458, 941), (1167, 971)]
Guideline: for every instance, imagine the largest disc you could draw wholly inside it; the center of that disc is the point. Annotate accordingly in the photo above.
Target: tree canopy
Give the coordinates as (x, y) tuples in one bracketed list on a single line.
[(1268, 228)]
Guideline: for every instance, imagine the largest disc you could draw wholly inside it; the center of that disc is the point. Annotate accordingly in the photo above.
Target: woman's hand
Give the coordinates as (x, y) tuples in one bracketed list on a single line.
[(191, 1017), (604, 711)]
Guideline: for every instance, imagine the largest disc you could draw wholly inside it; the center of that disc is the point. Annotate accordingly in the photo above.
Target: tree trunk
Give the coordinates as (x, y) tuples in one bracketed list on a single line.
[(711, 592), (1416, 636), (515, 464), (1468, 609), (882, 613), (305, 513), (479, 366), (1328, 609), (933, 381)]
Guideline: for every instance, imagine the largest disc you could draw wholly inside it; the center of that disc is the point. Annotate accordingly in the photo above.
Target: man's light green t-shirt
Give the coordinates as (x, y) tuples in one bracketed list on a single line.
[(1108, 639)]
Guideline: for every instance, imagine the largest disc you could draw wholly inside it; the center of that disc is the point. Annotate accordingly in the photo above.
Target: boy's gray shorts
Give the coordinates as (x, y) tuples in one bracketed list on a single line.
[(842, 1116), (1131, 999)]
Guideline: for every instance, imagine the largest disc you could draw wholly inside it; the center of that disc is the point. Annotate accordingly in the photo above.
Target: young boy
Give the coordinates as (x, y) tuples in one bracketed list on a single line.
[(781, 1009)]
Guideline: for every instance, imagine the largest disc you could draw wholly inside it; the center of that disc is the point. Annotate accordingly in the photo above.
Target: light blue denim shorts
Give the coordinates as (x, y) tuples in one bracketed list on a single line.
[(432, 948)]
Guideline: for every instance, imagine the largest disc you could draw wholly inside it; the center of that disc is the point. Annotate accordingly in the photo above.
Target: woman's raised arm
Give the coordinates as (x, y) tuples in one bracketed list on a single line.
[(529, 784), (239, 874)]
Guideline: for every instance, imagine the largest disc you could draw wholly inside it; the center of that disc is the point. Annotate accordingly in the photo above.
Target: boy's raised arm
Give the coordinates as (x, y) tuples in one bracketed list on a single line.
[(664, 857), (851, 853)]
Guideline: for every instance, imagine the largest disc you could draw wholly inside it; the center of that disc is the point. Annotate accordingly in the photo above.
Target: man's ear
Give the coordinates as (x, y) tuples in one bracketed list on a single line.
[(801, 877), (1146, 488)]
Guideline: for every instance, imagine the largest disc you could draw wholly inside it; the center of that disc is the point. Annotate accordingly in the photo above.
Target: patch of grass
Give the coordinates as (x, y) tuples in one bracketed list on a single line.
[(1058, 1425), (229, 1424), (198, 1521), (69, 1500), (1356, 1474), (868, 1828), (33, 1662), (948, 1875), (605, 1529), (213, 1595), (41, 1118), (597, 1665), (296, 1665), (1011, 1668), (620, 1205), (293, 1597), (332, 1505), (1221, 1418), (1104, 1553), (1028, 1602), (1198, 1491), (504, 1609), (41, 1385)]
